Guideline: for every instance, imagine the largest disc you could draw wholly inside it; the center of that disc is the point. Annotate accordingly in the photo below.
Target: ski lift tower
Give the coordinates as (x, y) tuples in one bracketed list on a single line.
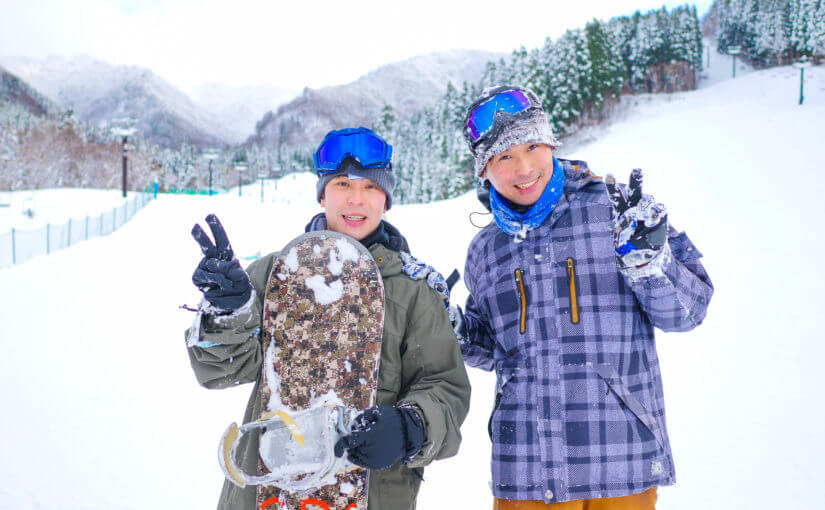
[(801, 64), (733, 51), (124, 127), (210, 155)]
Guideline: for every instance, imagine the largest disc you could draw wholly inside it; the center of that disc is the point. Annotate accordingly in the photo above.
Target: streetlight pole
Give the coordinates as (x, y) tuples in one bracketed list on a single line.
[(210, 155), (240, 168), (733, 51), (801, 65), (210, 177), (124, 127), (125, 149)]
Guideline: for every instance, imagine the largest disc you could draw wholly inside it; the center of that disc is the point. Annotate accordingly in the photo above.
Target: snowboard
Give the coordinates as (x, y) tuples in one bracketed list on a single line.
[(323, 318)]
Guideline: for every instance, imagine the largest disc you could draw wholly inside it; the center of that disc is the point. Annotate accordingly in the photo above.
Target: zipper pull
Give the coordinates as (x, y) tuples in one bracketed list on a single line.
[(571, 283)]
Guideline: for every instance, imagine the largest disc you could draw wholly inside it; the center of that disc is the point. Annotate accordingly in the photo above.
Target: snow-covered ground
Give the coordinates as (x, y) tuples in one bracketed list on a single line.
[(55, 206), (100, 409)]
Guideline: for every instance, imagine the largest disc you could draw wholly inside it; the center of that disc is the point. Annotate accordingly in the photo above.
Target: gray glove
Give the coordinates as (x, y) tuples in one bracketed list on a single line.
[(639, 223), (457, 321)]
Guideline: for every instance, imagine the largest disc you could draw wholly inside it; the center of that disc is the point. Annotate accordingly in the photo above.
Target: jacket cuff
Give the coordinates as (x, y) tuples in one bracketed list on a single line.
[(207, 327), (429, 449), (653, 269)]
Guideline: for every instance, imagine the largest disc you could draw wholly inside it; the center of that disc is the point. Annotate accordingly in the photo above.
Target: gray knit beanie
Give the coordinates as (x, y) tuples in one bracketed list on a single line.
[(531, 125), (383, 177), (534, 128)]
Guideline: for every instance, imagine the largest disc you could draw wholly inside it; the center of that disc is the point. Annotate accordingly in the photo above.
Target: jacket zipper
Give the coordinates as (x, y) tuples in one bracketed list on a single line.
[(571, 282), (523, 301)]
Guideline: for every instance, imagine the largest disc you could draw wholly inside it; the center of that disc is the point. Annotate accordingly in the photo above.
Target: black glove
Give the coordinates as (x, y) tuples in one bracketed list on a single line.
[(639, 223), (381, 436), (219, 275)]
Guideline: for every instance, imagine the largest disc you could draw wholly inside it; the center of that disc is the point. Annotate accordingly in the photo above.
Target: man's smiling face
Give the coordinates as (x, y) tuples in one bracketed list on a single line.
[(521, 173), (353, 206)]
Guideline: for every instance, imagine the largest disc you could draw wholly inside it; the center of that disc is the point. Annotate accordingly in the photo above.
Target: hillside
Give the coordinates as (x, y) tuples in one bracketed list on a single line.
[(14, 91)]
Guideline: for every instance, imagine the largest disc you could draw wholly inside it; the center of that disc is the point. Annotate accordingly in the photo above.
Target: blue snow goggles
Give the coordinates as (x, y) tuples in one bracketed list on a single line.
[(501, 103), (361, 144)]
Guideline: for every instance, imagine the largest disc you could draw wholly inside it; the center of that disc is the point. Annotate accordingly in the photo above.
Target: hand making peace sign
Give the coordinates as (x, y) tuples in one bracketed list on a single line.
[(219, 275), (639, 223)]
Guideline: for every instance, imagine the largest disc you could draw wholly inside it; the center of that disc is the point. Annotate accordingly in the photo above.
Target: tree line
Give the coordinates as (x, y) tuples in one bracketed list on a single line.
[(579, 78), (771, 32)]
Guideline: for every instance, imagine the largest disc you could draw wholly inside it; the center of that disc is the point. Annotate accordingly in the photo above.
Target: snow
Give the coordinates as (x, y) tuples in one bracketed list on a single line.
[(325, 293), (344, 251), (291, 260), (273, 380), (101, 410)]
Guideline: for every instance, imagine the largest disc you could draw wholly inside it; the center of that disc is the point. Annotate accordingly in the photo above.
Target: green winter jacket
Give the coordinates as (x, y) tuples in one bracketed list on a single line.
[(420, 364)]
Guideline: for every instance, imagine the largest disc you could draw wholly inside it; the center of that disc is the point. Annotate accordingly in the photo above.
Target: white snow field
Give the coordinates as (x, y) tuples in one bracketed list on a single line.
[(100, 409)]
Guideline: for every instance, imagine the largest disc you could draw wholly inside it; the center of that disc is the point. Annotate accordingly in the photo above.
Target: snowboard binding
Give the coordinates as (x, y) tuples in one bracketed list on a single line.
[(297, 449)]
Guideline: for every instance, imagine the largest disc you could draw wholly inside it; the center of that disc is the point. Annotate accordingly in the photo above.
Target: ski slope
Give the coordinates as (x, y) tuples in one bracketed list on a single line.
[(100, 409)]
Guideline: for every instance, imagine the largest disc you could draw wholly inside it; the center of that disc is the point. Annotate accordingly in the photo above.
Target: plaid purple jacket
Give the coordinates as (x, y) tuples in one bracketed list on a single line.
[(579, 409)]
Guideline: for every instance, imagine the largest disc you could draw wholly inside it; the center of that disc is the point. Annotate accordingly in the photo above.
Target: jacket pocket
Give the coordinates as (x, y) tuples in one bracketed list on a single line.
[(522, 294), (574, 297), (614, 382)]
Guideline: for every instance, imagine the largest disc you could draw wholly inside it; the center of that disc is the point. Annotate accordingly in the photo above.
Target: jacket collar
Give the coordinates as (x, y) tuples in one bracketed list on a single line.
[(391, 236)]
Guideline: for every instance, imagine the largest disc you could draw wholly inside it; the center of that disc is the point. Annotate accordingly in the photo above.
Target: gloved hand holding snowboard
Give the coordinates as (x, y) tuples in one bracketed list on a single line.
[(381, 436), (219, 275), (639, 223)]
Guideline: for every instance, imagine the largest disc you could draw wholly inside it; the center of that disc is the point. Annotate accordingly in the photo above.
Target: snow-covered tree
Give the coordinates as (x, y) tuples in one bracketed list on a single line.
[(803, 16), (607, 72)]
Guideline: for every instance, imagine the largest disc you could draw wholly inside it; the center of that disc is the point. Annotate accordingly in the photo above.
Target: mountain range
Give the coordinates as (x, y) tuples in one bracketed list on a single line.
[(409, 85), (103, 94), (107, 95)]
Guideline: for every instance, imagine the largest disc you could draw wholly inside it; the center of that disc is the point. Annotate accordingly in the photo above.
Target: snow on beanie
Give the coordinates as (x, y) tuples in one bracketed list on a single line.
[(532, 129), (383, 177)]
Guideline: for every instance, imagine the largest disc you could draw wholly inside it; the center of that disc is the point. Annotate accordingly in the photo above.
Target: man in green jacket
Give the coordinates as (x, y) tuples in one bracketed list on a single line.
[(423, 391)]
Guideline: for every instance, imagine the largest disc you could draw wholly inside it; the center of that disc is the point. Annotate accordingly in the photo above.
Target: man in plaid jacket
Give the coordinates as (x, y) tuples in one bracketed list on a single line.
[(566, 287)]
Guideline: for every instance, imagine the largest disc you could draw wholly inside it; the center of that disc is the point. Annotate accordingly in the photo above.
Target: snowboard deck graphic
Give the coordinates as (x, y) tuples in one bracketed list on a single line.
[(323, 321)]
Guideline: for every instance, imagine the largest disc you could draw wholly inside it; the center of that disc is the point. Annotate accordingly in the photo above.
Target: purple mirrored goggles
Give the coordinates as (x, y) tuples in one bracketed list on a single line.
[(485, 115)]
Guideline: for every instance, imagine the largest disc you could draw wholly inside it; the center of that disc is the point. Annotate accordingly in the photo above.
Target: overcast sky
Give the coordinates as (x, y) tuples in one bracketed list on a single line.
[(290, 44)]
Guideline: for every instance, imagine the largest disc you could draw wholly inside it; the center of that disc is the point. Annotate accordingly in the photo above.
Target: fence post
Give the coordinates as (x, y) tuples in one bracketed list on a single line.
[(87, 228), (13, 248), (48, 237), (114, 219), (69, 237), (100, 225)]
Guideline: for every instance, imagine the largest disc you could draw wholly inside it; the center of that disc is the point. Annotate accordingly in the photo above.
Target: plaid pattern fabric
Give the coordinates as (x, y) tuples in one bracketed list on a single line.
[(579, 409)]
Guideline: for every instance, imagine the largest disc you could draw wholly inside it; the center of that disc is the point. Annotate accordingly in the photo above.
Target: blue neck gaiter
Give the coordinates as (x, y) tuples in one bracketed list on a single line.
[(514, 223)]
